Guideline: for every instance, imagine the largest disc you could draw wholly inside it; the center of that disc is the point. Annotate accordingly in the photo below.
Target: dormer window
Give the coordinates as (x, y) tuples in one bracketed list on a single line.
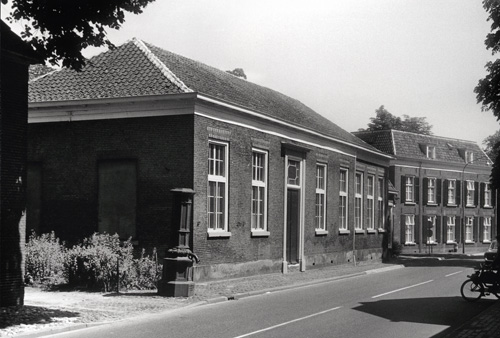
[(430, 152), (469, 156)]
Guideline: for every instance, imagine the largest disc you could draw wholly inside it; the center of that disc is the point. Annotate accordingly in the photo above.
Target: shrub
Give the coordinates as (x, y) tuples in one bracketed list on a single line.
[(45, 257), (147, 271)]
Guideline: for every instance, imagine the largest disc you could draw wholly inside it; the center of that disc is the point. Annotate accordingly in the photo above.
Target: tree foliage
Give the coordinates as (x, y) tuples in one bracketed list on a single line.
[(60, 29), (239, 72), (384, 120), (490, 144)]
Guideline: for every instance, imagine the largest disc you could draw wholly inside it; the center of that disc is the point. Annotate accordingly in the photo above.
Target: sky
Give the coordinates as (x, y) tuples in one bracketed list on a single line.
[(342, 58)]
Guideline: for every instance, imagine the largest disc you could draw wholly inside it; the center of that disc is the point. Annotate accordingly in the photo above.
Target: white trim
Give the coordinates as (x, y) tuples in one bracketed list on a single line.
[(322, 191), (287, 124), (260, 184), (372, 199), (346, 195), (223, 179)]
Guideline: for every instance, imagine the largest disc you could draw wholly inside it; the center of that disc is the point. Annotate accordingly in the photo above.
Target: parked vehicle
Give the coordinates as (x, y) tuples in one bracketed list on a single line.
[(483, 282), (491, 253)]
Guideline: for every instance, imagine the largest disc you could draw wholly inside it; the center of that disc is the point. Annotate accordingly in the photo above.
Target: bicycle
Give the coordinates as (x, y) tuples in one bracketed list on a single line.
[(482, 282)]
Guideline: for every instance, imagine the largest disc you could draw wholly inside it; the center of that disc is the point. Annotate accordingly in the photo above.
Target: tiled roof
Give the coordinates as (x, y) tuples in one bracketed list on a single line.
[(411, 145), (137, 68)]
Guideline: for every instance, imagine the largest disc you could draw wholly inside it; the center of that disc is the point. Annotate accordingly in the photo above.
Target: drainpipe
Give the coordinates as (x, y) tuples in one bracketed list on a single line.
[(354, 223)]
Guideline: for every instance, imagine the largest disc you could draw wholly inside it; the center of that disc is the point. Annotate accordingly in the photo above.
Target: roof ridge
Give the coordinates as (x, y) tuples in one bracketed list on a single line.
[(161, 66), (436, 136)]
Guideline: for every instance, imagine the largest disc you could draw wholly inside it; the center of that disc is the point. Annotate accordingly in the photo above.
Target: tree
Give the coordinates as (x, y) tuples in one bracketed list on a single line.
[(239, 72), (59, 30), (385, 120), (488, 89), (491, 147)]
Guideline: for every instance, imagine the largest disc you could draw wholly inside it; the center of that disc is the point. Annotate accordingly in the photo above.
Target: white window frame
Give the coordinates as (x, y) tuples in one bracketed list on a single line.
[(432, 221), (469, 228), (409, 229), (343, 200), (380, 204), (219, 230), (410, 189), (261, 184), (358, 202), (486, 229), (470, 193), (431, 190), (370, 203), (487, 195), (469, 156), (452, 190), (450, 229), (320, 219), (431, 152)]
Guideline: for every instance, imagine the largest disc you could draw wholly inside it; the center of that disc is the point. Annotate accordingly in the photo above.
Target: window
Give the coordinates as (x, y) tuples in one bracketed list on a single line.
[(469, 156), (259, 190), (358, 202), (217, 186), (452, 191), (380, 204), (410, 180), (431, 190), (320, 197), (409, 229), (487, 195), (343, 199), (431, 152), (370, 202), (470, 193), (487, 229), (469, 226), (431, 225), (450, 229)]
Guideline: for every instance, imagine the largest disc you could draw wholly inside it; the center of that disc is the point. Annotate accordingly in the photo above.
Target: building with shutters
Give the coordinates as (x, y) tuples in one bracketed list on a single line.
[(445, 199), (277, 186)]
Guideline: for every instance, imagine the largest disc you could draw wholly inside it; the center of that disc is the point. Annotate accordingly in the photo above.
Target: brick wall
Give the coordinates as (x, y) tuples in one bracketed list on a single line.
[(13, 124)]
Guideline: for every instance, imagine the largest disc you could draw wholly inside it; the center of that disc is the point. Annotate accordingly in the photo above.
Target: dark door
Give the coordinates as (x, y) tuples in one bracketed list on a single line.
[(292, 230)]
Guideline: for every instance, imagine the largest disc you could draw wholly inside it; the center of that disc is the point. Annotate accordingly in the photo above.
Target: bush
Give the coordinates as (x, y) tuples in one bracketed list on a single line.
[(45, 257), (146, 272)]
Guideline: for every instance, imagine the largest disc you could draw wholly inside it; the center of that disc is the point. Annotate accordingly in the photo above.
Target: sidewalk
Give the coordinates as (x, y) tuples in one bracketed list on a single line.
[(51, 312)]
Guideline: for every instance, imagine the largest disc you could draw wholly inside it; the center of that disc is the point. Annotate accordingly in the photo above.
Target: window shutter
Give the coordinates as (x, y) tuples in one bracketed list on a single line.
[(446, 186), (474, 229), (439, 229), (458, 193), (417, 189), (476, 193), (493, 197), (402, 227), (481, 229), (493, 228), (438, 191), (417, 229), (403, 188), (458, 229), (425, 195), (481, 194)]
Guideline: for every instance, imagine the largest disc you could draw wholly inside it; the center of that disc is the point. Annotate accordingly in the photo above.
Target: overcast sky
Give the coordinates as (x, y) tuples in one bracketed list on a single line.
[(342, 58)]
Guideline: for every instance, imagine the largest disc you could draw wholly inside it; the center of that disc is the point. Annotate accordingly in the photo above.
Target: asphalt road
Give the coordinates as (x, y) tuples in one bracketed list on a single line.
[(417, 301)]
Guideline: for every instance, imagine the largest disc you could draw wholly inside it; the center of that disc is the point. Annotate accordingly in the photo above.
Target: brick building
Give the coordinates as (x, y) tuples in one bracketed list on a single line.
[(444, 187), (277, 186), (16, 56)]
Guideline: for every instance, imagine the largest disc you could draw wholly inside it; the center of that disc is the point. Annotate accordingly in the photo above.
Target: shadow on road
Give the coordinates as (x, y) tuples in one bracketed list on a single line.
[(436, 311), (26, 315), (467, 262)]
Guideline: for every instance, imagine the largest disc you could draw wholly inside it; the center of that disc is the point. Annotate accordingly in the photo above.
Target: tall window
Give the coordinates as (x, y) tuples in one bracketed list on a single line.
[(450, 229), (380, 204), (469, 226), (259, 190), (470, 193), (431, 190), (487, 229), (469, 157), (217, 186), (343, 198), (431, 152), (487, 195), (321, 197), (358, 202), (432, 226), (410, 180), (452, 191), (409, 229), (370, 202)]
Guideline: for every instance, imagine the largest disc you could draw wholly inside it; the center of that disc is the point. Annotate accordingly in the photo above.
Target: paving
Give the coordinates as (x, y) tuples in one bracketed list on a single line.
[(49, 312)]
